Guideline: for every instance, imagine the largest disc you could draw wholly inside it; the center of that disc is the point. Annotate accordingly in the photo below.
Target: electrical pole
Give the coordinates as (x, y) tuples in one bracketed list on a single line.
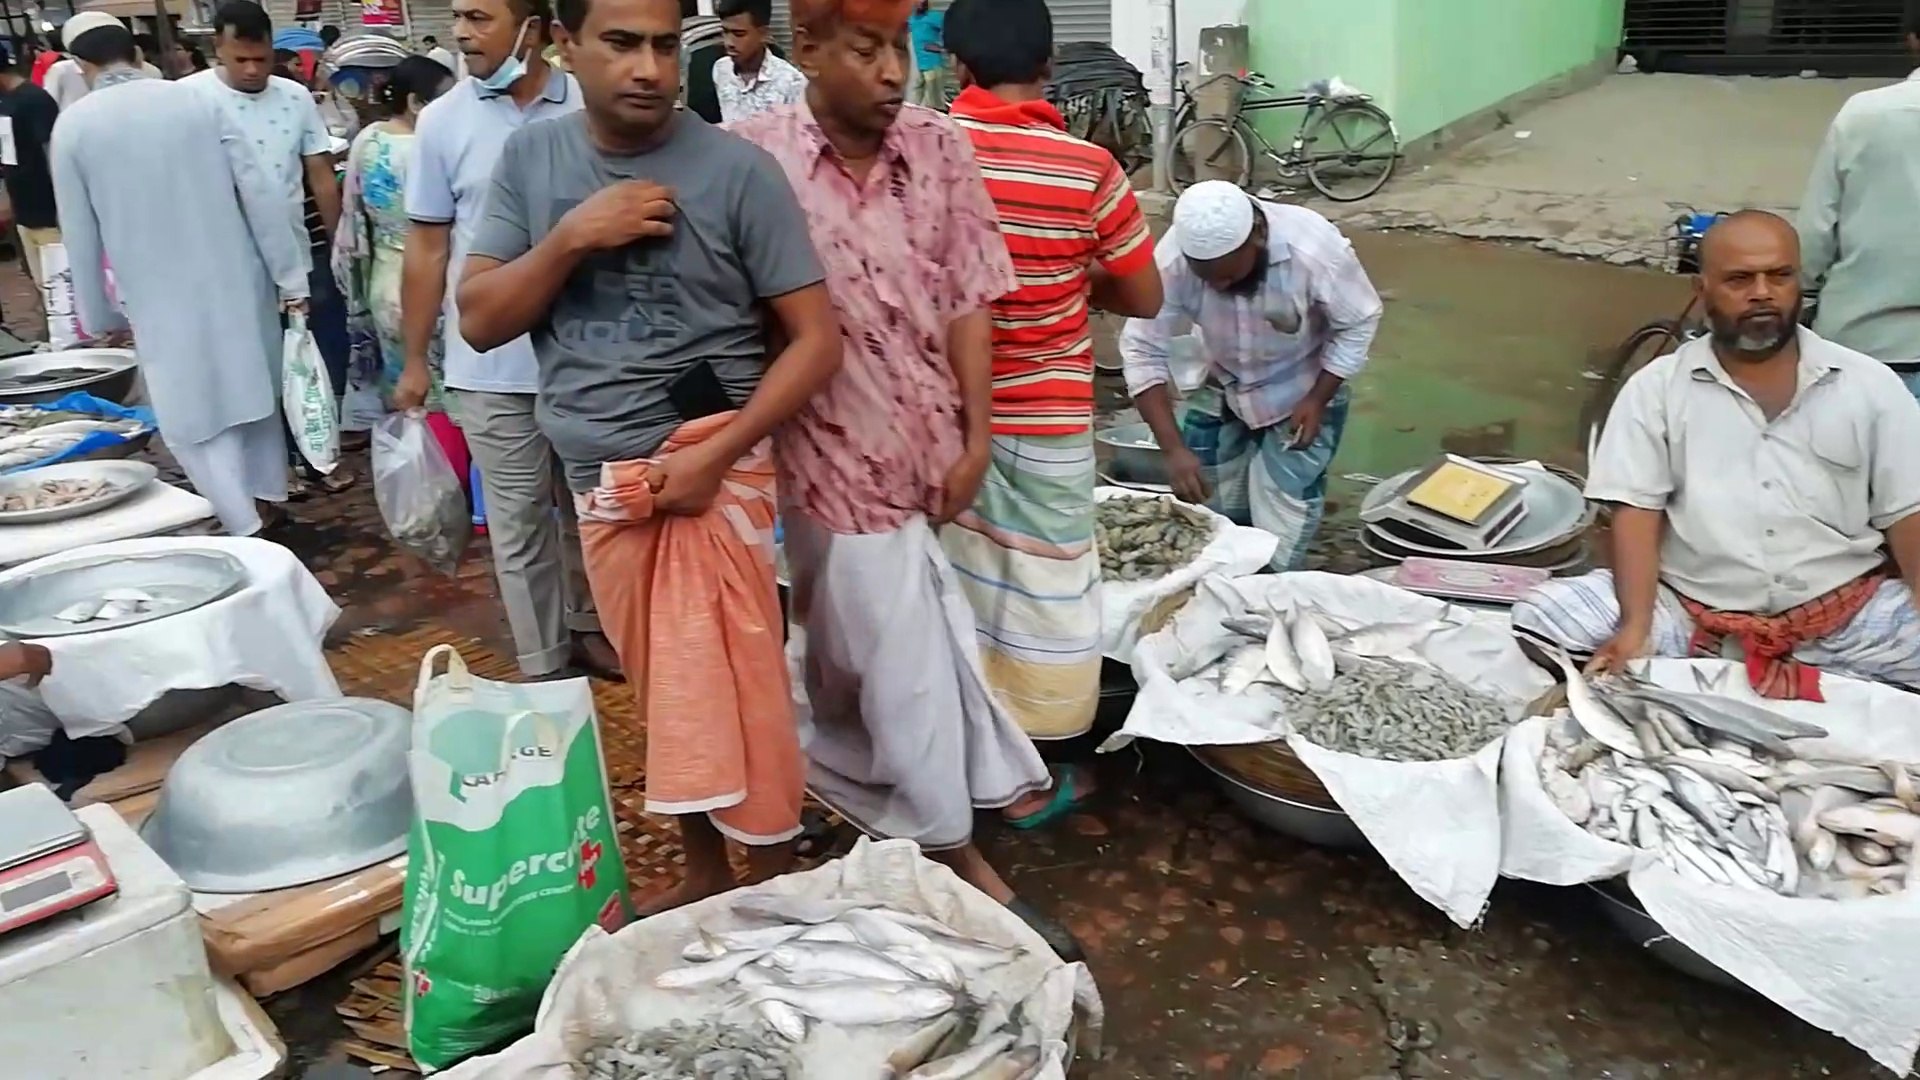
[(1164, 58)]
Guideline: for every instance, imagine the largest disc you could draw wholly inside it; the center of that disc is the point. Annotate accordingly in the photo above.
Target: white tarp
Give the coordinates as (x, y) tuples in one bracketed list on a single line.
[(604, 986), (1233, 551), (1844, 966), (1452, 864)]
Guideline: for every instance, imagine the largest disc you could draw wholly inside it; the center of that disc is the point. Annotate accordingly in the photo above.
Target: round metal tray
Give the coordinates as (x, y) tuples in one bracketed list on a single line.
[(1327, 828), (1135, 455), (129, 478), (112, 381), (286, 796), (1570, 556), (1556, 513), (180, 580), (1618, 904)]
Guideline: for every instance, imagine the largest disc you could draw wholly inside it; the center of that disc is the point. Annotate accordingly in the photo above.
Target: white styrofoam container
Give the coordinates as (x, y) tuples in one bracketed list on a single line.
[(121, 987)]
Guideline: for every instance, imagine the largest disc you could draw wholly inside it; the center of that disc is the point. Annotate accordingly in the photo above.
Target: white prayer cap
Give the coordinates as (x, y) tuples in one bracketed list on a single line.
[(71, 30), (1212, 219)]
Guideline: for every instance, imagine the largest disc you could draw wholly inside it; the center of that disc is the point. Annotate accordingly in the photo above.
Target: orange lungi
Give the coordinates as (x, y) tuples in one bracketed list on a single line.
[(690, 604)]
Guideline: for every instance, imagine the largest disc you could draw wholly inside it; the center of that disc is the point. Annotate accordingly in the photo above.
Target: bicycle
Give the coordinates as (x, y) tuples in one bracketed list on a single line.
[(1341, 137), (1662, 336)]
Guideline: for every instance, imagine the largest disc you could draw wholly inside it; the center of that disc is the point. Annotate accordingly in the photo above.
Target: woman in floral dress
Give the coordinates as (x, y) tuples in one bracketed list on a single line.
[(368, 251)]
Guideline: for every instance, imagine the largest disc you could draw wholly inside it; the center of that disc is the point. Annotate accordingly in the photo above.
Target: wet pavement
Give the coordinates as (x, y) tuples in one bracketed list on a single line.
[(1224, 950)]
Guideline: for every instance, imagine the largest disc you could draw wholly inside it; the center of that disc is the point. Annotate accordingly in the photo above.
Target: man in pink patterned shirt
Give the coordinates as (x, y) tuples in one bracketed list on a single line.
[(902, 731)]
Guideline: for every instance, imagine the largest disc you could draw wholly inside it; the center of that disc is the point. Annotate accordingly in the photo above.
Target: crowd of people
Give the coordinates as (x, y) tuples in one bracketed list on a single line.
[(865, 324)]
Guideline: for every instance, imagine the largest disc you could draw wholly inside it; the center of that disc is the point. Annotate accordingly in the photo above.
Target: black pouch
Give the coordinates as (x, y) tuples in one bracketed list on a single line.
[(696, 393)]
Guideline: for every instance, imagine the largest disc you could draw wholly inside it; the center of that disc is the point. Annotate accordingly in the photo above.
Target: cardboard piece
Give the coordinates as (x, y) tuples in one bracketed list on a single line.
[(311, 964), (268, 930)]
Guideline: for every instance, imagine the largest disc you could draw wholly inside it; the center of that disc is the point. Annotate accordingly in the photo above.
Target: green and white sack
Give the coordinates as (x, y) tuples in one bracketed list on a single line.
[(306, 396), (512, 853)]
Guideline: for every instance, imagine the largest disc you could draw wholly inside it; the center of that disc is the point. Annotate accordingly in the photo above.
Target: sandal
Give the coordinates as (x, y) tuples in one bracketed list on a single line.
[(335, 482), (1058, 937), (1066, 799), (816, 835)]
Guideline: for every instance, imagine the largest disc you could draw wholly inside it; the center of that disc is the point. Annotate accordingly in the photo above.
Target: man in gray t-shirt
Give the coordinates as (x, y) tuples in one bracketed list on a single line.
[(652, 257), (630, 319)]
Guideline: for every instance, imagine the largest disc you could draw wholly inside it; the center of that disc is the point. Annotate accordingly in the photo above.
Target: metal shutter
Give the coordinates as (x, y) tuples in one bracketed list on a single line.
[(1771, 37), (1082, 20)]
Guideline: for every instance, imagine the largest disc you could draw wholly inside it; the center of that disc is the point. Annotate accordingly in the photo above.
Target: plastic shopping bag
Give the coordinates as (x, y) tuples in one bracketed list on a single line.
[(512, 854), (56, 298), (418, 493), (306, 393)]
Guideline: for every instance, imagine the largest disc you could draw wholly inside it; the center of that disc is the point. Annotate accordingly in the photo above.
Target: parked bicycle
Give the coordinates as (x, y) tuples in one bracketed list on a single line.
[(1345, 145)]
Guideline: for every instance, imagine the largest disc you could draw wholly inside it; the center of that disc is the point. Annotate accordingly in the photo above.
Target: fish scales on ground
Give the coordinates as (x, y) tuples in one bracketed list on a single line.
[(1143, 538), (1714, 789)]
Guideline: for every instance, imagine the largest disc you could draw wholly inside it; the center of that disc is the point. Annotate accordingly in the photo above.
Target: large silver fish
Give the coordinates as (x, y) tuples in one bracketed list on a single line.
[(855, 1004), (967, 1062), (1731, 715), (1311, 648), (813, 961), (1282, 660), (1593, 713), (798, 909), (786, 1021)]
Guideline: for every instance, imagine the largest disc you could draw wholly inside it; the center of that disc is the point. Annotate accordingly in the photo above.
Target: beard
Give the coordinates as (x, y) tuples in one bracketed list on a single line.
[(1249, 286), (1755, 335)]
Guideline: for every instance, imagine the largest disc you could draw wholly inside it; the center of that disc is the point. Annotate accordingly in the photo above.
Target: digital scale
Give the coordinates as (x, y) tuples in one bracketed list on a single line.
[(49, 862), (1455, 502)]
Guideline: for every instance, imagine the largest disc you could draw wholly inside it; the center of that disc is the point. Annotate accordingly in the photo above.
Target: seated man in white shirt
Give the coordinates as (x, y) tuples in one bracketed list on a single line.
[(750, 79), (1759, 478)]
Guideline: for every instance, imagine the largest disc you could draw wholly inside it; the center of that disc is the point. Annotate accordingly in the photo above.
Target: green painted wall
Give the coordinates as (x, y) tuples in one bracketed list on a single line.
[(1429, 62)]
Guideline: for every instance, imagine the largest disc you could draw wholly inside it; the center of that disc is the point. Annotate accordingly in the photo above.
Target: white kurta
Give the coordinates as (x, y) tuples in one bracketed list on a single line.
[(155, 181)]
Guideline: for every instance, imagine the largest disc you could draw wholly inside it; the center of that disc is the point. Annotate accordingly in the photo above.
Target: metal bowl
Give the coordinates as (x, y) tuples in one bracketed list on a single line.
[(1135, 454), (1557, 514), (1617, 903), (1327, 828), (115, 373), (179, 580), (286, 796), (128, 478)]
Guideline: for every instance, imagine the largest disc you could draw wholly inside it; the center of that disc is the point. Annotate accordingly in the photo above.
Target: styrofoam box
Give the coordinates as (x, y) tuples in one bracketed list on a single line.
[(121, 987)]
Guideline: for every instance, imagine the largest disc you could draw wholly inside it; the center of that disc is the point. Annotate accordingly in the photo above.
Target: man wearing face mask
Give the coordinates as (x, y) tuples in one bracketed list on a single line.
[(457, 142), (1758, 477), (1286, 315)]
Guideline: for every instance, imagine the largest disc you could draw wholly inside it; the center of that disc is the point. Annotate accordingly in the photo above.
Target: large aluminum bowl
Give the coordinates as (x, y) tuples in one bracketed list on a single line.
[(1618, 904), (1135, 456), (286, 796), (1327, 828), (116, 374), (128, 478), (180, 580)]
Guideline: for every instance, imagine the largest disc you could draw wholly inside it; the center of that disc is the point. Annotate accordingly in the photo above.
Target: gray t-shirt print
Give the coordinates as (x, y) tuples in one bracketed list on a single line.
[(627, 321)]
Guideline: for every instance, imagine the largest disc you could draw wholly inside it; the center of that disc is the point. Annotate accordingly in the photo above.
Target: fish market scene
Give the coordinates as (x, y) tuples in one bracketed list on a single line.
[(959, 539)]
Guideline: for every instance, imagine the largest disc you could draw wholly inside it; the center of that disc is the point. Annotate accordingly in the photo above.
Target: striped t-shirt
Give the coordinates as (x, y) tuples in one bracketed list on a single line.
[(1064, 204)]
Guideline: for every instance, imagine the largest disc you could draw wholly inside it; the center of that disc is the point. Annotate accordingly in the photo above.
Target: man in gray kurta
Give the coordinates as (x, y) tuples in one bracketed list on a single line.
[(155, 181)]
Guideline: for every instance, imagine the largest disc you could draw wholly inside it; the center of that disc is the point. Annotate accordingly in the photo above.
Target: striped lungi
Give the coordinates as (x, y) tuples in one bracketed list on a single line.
[(1580, 614), (1258, 477), (1026, 560)]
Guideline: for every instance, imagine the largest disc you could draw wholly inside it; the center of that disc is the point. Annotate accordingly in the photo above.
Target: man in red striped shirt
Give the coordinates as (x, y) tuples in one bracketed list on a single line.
[(1025, 550)]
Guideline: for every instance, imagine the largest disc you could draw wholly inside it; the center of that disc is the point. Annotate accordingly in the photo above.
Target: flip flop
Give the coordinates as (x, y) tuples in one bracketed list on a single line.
[(1057, 937), (1066, 799)]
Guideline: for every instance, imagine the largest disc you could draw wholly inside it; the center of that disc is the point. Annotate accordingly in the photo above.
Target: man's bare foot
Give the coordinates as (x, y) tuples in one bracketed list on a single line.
[(687, 892), (594, 654), (1072, 785)]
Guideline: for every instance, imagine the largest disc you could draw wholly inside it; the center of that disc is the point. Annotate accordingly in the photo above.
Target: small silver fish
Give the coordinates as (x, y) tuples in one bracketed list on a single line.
[(797, 909), (1312, 650), (854, 1004), (1282, 661), (813, 960), (966, 1063)]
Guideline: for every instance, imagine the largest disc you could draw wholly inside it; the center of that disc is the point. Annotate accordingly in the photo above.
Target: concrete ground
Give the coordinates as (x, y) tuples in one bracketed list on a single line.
[(1603, 172)]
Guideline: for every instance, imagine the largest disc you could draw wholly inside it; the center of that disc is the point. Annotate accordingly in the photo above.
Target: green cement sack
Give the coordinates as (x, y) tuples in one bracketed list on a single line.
[(511, 856)]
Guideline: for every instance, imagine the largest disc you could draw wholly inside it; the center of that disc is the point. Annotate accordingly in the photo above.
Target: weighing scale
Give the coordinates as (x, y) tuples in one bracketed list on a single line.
[(1457, 502), (49, 862)]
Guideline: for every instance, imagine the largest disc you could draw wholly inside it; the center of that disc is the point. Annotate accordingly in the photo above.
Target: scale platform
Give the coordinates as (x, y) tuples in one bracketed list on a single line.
[(48, 860), (1455, 503)]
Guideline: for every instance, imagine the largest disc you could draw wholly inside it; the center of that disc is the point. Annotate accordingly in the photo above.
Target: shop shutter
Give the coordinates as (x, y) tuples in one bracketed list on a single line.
[(1082, 20), (1769, 37)]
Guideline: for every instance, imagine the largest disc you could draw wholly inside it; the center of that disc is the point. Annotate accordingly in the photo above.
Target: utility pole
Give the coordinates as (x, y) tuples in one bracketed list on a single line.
[(1164, 58), (163, 33)]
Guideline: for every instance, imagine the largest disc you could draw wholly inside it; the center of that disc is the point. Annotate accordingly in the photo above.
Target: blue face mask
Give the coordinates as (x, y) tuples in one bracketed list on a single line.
[(512, 67)]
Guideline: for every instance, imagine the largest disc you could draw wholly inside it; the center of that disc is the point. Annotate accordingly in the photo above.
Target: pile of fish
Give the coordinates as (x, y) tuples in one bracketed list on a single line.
[(857, 964), (42, 441), (1714, 787), (48, 494), (683, 1051), (1346, 692), (1147, 537), (50, 376), (110, 606)]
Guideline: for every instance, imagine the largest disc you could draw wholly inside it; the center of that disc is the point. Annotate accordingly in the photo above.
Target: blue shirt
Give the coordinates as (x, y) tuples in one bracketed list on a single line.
[(457, 142), (927, 30)]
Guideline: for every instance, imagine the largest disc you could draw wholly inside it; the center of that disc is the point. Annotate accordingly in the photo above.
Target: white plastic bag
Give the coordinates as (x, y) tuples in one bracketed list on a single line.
[(1233, 551), (1844, 966), (419, 495), (56, 298), (306, 394), (1436, 823)]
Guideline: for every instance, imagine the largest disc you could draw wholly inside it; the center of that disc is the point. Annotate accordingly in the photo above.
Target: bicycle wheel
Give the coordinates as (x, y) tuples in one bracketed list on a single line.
[(1349, 150), (1642, 347), (1210, 150)]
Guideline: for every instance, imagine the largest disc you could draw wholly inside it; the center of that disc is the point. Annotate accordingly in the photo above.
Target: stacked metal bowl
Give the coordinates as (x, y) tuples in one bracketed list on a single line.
[(1552, 535)]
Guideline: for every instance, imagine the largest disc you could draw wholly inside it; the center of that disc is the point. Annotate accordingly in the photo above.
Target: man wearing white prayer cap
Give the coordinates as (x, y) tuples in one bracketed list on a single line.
[(1284, 316)]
